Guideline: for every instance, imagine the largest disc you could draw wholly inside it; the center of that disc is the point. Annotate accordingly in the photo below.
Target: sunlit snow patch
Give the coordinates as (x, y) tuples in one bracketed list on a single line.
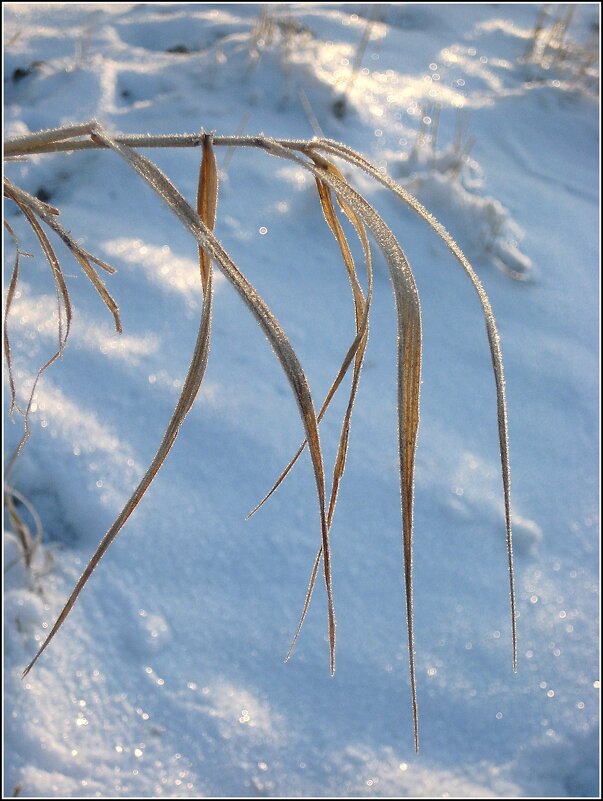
[(161, 266)]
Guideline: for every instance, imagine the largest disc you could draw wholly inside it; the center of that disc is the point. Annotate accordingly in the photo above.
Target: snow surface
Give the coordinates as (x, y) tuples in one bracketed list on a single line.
[(168, 677)]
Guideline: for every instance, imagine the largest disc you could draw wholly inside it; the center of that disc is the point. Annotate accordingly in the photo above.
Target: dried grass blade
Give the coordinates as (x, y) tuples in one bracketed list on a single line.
[(409, 367), (362, 312), (102, 264), (24, 199), (352, 157), (84, 260), (207, 198), (50, 209), (309, 592), (331, 218), (9, 299), (194, 377)]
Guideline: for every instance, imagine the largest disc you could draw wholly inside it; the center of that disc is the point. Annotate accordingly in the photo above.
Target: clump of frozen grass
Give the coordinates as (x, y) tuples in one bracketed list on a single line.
[(551, 49), (315, 156), (449, 160), (340, 105), (447, 178), (275, 29)]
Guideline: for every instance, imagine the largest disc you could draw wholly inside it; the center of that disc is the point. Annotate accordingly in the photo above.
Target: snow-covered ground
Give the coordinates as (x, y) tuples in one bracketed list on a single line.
[(168, 677)]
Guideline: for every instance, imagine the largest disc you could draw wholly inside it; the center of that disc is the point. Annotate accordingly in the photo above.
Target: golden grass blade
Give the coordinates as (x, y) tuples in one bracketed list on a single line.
[(362, 310), (9, 299), (409, 383), (85, 259), (352, 157), (207, 198), (409, 367), (331, 218)]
